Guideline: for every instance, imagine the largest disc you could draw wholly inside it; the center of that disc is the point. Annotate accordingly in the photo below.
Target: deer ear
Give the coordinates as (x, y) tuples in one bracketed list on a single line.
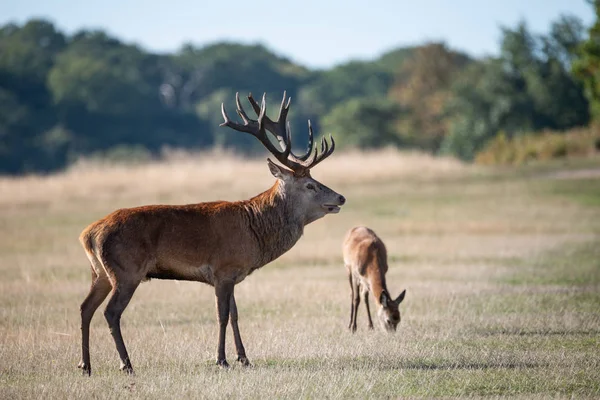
[(384, 299), (401, 297), (277, 171)]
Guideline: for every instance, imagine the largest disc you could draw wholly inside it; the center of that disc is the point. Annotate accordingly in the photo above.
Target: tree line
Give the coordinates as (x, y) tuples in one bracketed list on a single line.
[(63, 97)]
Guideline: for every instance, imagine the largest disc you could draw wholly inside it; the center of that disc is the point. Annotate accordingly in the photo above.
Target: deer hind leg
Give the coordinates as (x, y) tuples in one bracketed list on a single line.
[(355, 301), (223, 292), (365, 294), (239, 346), (99, 290), (121, 295)]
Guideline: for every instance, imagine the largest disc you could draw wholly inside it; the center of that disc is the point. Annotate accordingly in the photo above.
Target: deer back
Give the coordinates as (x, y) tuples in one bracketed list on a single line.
[(366, 256)]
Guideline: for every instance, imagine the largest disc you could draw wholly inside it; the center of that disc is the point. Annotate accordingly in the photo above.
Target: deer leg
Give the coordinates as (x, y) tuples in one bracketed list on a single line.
[(355, 303), (223, 296), (119, 299), (239, 346), (366, 298), (351, 300), (100, 288)]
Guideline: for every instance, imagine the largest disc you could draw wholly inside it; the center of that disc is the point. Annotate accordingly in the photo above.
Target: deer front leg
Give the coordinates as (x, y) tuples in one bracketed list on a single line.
[(355, 303), (121, 295), (239, 346), (366, 298), (223, 293), (351, 300)]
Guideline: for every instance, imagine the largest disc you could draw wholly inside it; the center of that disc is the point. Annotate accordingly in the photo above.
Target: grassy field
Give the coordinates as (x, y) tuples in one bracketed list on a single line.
[(501, 267)]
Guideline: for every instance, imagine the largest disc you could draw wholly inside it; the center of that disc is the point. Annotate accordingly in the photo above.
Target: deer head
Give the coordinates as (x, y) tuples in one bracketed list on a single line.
[(388, 312), (311, 199)]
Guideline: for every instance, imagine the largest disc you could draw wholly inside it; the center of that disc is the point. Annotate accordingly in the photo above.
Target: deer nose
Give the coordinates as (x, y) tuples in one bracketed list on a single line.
[(342, 199)]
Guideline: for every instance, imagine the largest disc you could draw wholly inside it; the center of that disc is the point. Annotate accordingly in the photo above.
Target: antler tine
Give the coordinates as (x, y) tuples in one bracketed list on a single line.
[(240, 109), (307, 159), (277, 128), (326, 151), (254, 104), (225, 117), (262, 116), (263, 110), (309, 146), (288, 139), (282, 141), (284, 108), (247, 127)]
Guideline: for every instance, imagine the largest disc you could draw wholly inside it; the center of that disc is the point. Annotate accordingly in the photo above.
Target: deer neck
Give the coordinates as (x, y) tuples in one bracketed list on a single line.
[(273, 222), (377, 278)]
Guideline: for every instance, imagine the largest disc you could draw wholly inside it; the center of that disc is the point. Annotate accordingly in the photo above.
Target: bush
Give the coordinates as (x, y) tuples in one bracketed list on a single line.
[(579, 142)]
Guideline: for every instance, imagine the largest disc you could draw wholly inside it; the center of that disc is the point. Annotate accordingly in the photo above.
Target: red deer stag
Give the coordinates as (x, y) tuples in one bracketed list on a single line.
[(218, 243), (365, 258)]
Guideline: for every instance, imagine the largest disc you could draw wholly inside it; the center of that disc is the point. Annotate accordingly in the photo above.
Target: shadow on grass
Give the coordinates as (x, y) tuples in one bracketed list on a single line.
[(469, 365), (371, 363), (540, 332)]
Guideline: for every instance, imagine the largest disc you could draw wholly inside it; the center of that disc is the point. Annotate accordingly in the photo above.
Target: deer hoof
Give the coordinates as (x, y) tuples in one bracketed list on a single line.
[(223, 363), (85, 369), (127, 368), (244, 361)]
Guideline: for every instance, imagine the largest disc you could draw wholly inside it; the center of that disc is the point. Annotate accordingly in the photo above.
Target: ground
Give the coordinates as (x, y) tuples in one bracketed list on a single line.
[(501, 268)]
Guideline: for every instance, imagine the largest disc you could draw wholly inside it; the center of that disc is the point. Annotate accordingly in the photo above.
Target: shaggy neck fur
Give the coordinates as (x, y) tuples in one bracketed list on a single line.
[(272, 220)]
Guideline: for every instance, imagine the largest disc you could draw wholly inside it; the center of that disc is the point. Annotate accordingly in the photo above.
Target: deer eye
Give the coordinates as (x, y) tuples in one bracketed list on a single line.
[(310, 186)]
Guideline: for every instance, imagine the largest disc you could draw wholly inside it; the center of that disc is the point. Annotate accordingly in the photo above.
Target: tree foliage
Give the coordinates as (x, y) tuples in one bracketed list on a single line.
[(587, 66), (351, 80), (62, 96), (27, 54), (363, 123), (422, 87), (527, 88)]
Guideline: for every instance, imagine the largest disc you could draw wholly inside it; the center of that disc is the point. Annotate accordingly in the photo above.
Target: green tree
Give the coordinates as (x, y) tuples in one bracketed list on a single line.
[(422, 87), (587, 67), (481, 104), (526, 89), (347, 81), (363, 123), (27, 54), (394, 60), (195, 73), (104, 75), (108, 94)]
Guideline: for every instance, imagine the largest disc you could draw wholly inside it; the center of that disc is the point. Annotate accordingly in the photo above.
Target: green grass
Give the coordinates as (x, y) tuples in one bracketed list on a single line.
[(572, 265), (501, 267), (583, 191)]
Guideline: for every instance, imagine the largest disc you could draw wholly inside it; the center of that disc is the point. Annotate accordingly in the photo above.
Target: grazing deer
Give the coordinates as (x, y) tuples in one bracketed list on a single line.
[(219, 243), (365, 258)]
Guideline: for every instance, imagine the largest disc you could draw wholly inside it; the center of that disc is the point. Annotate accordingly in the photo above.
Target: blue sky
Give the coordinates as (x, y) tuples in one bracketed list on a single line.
[(315, 33)]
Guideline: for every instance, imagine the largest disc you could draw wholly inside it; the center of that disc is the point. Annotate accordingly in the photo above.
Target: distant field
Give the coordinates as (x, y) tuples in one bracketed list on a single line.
[(501, 267)]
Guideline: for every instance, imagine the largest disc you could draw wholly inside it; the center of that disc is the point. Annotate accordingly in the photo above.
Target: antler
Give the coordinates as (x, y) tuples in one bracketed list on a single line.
[(281, 125), (281, 130)]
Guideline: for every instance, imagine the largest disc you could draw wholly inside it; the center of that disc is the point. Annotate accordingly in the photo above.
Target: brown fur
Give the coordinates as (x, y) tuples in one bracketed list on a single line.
[(218, 243), (365, 257)]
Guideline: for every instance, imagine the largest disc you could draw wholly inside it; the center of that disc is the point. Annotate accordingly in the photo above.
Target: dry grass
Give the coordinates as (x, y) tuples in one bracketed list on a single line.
[(206, 175), (501, 271)]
